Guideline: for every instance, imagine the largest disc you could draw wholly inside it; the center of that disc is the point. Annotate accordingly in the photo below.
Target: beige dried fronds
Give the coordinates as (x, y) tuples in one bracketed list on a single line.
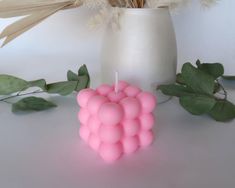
[(177, 3), (92, 4), (100, 18), (128, 3), (106, 16), (208, 3), (166, 3), (35, 11), (143, 3)]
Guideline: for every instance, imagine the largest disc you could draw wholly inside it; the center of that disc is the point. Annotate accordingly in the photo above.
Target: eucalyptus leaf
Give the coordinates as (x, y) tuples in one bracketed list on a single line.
[(199, 89), (179, 79), (83, 82), (10, 84), (198, 104), (214, 69), (83, 71), (32, 104), (223, 111), (175, 90), (198, 80), (71, 76), (39, 83), (62, 88)]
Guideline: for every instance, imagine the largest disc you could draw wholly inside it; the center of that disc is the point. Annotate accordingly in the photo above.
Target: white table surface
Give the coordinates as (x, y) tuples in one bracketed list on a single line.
[(43, 150)]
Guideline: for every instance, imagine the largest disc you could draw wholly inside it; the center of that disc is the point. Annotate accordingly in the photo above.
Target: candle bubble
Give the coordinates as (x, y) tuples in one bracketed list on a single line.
[(83, 116), (93, 123), (95, 103), (84, 96), (147, 121), (131, 107), (132, 91), (122, 85), (110, 134), (130, 144), (110, 113), (94, 142), (110, 152), (145, 138), (84, 132), (104, 89), (131, 126), (116, 97), (148, 101)]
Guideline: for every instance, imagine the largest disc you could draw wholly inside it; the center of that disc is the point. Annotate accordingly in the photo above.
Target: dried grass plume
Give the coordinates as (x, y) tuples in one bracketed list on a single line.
[(35, 11)]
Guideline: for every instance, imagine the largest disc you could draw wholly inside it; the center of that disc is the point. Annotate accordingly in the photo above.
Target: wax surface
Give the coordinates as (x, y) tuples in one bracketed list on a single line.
[(116, 123)]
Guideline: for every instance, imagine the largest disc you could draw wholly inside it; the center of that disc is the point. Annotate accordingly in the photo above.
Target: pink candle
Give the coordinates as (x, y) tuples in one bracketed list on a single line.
[(116, 120)]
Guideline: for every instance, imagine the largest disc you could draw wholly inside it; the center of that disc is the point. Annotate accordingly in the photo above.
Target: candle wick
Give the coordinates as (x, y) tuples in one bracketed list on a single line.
[(116, 81)]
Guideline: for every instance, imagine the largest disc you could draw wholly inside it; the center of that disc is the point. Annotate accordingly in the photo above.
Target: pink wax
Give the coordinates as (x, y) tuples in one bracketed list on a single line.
[(116, 97), (116, 122), (132, 91)]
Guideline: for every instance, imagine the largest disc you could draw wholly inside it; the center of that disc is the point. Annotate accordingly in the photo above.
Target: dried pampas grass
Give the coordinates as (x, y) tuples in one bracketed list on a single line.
[(35, 11)]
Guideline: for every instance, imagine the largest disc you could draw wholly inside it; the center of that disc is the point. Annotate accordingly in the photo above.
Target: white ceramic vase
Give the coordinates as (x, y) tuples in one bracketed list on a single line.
[(143, 50)]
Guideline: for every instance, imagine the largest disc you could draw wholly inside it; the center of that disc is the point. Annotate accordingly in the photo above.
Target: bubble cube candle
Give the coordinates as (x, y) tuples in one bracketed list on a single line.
[(116, 120)]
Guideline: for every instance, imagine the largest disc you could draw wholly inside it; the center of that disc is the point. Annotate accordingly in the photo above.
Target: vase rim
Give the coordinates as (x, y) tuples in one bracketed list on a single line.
[(145, 10)]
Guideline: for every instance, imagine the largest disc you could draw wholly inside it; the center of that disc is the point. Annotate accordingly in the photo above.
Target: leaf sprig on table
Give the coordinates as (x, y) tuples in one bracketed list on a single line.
[(200, 90), (12, 87)]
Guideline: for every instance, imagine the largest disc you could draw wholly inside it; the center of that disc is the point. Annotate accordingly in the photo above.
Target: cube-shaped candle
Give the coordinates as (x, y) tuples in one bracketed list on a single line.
[(116, 121)]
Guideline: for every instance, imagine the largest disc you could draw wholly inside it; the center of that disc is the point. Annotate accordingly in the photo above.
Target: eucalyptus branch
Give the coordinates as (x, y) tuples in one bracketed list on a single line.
[(197, 89), (12, 87), (225, 93), (20, 95)]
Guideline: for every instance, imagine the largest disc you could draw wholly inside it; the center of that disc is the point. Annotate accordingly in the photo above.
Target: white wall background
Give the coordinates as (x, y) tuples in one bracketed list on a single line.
[(64, 42)]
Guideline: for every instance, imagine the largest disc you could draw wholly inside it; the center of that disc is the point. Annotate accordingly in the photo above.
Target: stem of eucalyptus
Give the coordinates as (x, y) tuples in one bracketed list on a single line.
[(222, 87), (19, 95)]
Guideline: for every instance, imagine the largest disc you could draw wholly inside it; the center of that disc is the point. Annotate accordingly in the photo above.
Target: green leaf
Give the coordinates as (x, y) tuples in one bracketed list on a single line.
[(214, 69), (198, 104), (10, 84), (39, 83), (198, 80), (71, 76), (232, 78), (223, 111), (62, 88), (82, 83), (83, 71), (83, 78), (175, 90), (32, 104), (179, 79)]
